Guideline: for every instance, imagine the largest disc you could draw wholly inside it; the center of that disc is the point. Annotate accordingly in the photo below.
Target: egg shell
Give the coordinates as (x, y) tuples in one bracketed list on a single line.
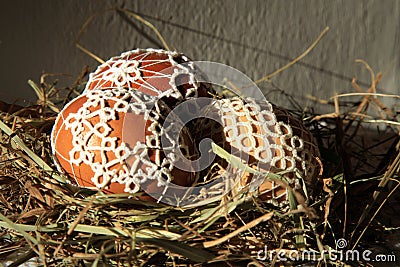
[(95, 138)]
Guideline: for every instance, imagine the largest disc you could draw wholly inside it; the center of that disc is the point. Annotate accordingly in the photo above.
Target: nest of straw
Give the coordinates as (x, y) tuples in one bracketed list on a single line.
[(45, 221), (50, 222)]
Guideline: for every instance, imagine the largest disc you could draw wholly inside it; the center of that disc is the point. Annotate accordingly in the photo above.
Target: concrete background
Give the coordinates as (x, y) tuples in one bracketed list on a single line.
[(256, 37)]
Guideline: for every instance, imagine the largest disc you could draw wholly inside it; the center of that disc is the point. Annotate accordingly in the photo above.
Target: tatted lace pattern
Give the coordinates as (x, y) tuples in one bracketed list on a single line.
[(250, 132), (297, 148), (268, 139), (153, 71), (110, 159)]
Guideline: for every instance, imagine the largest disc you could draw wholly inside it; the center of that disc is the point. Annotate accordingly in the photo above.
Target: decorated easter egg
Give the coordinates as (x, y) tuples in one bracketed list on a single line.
[(166, 74), (110, 139), (267, 139)]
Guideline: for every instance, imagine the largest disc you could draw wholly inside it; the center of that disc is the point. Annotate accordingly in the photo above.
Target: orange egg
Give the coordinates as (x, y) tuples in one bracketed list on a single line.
[(166, 74), (268, 139), (110, 139)]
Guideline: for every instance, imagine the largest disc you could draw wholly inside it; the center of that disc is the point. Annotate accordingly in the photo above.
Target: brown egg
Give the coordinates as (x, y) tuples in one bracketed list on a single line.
[(110, 139), (269, 139), (155, 72)]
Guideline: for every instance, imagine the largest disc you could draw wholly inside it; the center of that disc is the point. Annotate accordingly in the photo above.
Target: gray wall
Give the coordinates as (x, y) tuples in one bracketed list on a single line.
[(255, 37)]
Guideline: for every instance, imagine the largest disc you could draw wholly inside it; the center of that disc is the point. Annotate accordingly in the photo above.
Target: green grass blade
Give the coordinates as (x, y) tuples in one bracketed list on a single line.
[(232, 159)]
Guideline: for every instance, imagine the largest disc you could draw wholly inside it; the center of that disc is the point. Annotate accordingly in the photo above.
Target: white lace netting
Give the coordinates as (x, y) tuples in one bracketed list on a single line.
[(267, 138), (250, 129), (93, 136), (128, 70), (296, 146)]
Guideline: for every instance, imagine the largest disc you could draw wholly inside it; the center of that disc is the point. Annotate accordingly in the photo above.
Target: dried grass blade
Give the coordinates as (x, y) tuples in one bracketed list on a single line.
[(212, 213), (30, 153), (89, 229), (128, 12), (115, 231), (7, 223), (393, 168), (39, 92), (367, 94), (23, 258), (251, 224), (305, 53), (146, 23), (191, 253)]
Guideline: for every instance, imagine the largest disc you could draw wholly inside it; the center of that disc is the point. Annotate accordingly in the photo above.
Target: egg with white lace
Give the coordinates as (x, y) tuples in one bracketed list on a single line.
[(110, 140), (168, 75), (268, 139)]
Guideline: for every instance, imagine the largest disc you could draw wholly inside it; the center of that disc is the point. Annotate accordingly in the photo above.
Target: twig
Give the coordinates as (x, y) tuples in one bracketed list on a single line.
[(332, 115), (371, 72)]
